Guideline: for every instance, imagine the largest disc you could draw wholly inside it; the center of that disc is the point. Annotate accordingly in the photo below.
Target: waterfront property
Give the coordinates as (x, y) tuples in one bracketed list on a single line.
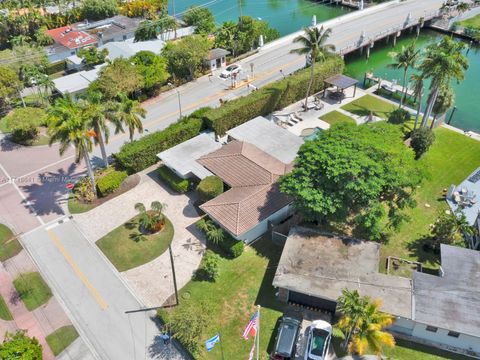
[(435, 310)]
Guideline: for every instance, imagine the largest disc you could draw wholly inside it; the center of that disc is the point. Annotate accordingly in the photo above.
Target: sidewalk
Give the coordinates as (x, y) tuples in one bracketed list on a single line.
[(22, 317)]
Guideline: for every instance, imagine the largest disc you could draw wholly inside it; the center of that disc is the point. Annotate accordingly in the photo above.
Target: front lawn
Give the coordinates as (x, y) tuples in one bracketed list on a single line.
[(5, 313), (32, 289), (61, 338), (243, 283), (9, 245), (336, 117), (450, 160), (126, 250), (370, 104)]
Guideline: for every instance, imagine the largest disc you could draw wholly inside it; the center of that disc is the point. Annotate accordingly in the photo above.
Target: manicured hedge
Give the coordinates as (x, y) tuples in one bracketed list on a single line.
[(173, 180), (138, 155), (271, 97), (209, 188), (110, 182)]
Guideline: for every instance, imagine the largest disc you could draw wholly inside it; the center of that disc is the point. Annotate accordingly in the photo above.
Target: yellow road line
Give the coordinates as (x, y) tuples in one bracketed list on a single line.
[(98, 298)]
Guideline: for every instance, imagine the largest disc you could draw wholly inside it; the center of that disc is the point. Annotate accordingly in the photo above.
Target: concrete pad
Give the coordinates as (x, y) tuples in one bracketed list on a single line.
[(21, 263), (76, 351), (14, 212), (51, 316)]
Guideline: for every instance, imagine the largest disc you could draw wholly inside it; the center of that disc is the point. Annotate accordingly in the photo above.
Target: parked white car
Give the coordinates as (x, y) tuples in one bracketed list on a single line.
[(230, 70), (318, 340)]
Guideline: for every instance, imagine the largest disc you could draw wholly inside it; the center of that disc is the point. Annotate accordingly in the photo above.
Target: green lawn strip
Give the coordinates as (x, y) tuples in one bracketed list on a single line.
[(405, 350), (61, 338), (450, 160), (76, 207), (32, 289), (368, 103), (9, 246), (5, 313), (125, 252), (472, 22), (243, 282), (336, 117)]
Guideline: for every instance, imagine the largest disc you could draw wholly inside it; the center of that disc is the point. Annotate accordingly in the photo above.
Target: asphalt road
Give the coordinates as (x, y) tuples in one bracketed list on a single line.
[(96, 298)]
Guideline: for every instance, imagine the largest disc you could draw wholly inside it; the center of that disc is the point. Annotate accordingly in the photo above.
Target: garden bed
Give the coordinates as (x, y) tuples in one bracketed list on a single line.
[(125, 250)]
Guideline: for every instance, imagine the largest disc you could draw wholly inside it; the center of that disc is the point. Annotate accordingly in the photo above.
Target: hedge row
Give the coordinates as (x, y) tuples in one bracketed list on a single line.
[(110, 182), (272, 97), (138, 155), (173, 180)]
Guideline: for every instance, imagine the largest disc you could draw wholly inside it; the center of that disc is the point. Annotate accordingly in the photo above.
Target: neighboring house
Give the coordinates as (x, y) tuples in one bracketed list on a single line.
[(77, 83), (256, 155), (440, 311), (129, 48), (466, 198)]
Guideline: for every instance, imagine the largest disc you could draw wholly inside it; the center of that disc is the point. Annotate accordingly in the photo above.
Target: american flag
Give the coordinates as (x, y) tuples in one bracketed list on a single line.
[(251, 327)]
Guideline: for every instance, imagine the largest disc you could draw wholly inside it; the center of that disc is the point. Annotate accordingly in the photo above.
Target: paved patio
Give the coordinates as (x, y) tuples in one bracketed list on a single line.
[(151, 282)]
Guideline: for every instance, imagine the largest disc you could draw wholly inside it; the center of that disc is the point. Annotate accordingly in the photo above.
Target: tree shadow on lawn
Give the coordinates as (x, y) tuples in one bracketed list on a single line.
[(422, 250)]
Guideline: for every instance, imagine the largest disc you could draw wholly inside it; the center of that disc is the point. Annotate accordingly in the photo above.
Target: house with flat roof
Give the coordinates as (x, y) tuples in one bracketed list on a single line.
[(77, 83), (436, 310)]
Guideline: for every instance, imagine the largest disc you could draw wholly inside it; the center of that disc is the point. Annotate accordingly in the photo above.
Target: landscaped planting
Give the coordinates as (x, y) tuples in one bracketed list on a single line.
[(177, 183), (61, 338), (336, 117), (369, 104), (32, 289), (110, 181), (9, 245), (209, 188)]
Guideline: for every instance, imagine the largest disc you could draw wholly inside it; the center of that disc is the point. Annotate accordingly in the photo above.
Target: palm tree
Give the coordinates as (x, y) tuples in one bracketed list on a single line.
[(443, 63), (404, 59), (418, 93), (128, 112), (445, 100), (463, 7), (363, 321), (68, 125), (314, 46), (152, 220)]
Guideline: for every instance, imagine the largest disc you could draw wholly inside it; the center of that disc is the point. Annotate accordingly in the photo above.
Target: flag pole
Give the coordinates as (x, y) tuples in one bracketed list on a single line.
[(221, 345), (258, 333)]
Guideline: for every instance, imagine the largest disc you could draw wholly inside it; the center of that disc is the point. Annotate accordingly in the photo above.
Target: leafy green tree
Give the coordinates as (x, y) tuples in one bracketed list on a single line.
[(20, 346), (200, 17), (186, 57), (99, 9), (10, 86), (364, 323), (119, 77), (42, 38), (449, 228), (153, 69), (313, 45), (405, 59), (344, 176), (210, 265), (443, 63), (421, 140), (69, 125), (225, 37), (24, 123), (92, 56), (147, 30)]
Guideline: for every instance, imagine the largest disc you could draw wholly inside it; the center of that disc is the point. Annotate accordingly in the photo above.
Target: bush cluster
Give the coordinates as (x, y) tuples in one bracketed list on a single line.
[(209, 188), (210, 265), (398, 116), (24, 124), (271, 97), (421, 140), (173, 180), (218, 236), (110, 181)]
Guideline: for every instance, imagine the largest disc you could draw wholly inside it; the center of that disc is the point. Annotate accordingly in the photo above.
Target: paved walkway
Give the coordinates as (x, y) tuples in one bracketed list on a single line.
[(151, 282)]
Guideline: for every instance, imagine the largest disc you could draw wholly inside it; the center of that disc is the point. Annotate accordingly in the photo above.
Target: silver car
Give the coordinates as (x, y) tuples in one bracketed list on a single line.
[(318, 340), (231, 70)]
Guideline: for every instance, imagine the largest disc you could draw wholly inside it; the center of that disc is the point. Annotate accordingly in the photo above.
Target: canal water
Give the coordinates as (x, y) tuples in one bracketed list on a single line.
[(467, 100), (287, 16)]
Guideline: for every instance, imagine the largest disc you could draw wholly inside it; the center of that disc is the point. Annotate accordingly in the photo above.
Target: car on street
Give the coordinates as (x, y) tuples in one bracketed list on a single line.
[(318, 340), (286, 339), (231, 70)]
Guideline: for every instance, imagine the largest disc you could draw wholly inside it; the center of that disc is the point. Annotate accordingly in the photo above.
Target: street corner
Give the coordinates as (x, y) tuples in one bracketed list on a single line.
[(15, 212)]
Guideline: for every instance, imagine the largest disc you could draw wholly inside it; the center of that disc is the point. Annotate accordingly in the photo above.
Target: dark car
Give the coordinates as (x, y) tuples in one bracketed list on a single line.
[(286, 339)]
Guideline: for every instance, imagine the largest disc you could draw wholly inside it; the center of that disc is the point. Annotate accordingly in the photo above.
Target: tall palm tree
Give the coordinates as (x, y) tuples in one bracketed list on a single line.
[(314, 45), (445, 100), (418, 94), (68, 125), (363, 321), (443, 63), (404, 59), (128, 112)]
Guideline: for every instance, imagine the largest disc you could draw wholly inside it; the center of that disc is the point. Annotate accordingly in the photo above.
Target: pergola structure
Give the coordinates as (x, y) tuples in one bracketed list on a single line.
[(342, 82)]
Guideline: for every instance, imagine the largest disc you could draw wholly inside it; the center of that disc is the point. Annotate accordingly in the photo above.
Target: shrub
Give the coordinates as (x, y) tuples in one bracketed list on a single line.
[(23, 124), (271, 97), (210, 265), (209, 188), (83, 190), (173, 180), (110, 181), (398, 116), (421, 140), (218, 236), (140, 154), (237, 249)]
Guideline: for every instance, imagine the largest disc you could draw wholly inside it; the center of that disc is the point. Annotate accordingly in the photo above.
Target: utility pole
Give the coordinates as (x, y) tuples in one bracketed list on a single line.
[(173, 273)]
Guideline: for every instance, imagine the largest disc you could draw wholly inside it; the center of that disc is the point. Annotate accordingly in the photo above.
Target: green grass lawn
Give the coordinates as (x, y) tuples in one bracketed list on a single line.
[(61, 338), (5, 313), (472, 22), (125, 252), (9, 246), (336, 117), (32, 289), (243, 283), (368, 103), (450, 160), (76, 207)]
